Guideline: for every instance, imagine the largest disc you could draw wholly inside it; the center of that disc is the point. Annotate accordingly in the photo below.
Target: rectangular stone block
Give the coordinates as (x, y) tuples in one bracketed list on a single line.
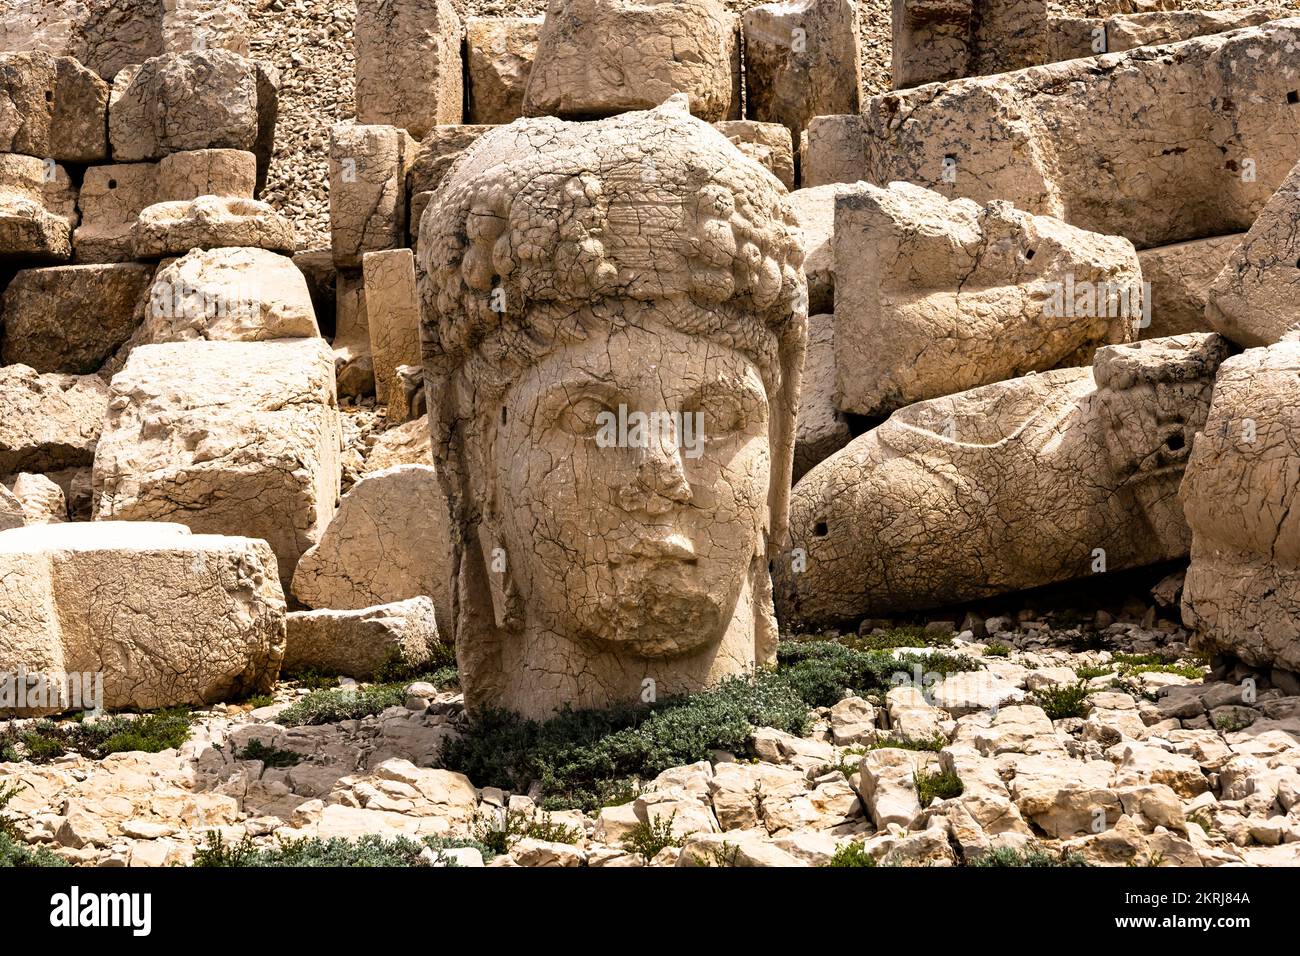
[(51, 421), (1095, 142), (408, 65), (939, 40), (52, 108), (368, 173), (1069, 38), (1179, 277), (207, 172), (499, 54), (112, 198), (393, 316), (225, 438), (768, 144)]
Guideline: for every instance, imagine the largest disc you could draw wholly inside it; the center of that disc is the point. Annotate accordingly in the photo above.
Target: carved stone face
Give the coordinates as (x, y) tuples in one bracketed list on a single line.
[(641, 544)]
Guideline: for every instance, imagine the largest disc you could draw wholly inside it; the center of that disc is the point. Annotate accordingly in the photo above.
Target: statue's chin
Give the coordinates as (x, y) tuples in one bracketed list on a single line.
[(660, 613)]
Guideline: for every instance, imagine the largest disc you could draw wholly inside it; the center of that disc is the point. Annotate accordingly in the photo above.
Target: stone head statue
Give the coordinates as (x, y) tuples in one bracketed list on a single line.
[(614, 316)]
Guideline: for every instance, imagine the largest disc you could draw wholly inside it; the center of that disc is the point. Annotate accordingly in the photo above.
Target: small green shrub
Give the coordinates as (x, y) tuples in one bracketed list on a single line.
[(47, 740), (371, 850), (648, 837), (909, 635), (996, 649), (929, 744), (936, 786), (1030, 856), (500, 832), (1060, 701), (341, 703), (14, 854), (270, 756), (851, 854), (1089, 672)]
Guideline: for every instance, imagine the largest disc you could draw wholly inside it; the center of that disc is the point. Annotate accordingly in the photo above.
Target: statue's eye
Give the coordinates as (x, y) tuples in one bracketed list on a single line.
[(720, 415), (585, 416)]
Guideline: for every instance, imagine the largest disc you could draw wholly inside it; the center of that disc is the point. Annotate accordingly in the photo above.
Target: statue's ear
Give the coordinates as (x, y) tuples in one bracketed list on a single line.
[(507, 606)]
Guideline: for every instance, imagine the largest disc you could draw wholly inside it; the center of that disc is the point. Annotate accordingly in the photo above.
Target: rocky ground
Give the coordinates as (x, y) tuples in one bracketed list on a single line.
[(1158, 764)]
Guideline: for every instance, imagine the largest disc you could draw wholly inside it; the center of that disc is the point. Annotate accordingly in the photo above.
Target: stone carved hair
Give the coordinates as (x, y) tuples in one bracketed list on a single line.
[(545, 227)]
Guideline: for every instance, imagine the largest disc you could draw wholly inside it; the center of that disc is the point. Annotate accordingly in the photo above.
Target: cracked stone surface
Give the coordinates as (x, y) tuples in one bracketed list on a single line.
[(1072, 37), (1004, 487), (393, 318), (1138, 144), (175, 227), (408, 64), (389, 541), (822, 429), (1243, 586), (1180, 276), (51, 421), (34, 223), (938, 296), (52, 107), (358, 643), (499, 54), (225, 438), (600, 57), (70, 318), (167, 617), (586, 568), (938, 40), (368, 175), (1255, 299)]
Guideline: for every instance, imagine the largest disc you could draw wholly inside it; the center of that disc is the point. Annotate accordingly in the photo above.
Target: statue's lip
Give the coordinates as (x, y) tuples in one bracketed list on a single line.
[(673, 546)]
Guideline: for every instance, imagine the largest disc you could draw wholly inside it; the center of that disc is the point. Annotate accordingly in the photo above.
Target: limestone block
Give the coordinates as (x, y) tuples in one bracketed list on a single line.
[(175, 227), (165, 616), (207, 172), (388, 542), (29, 230), (433, 157), (112, 198), (821, 429), (393, 319), (767, 144), (51, 421), (353, 363), (199, 99), (232, 295), (802, 60), (1255, 299), (1045, 478), (499, 54), (1178, 277), (408, 64), (931, 41), (1083, 141), (938, 296), (368, 166), (52, 108), (1071, 37), (225, 437), (204, 25), (601, 57), (358, 643), (70, 318), (1242, 589), (42, 500), (815, 211), (407, 444)]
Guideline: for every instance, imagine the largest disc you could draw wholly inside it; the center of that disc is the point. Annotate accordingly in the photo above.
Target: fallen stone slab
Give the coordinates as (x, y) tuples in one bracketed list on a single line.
[(393, 320), (52, 108), (70, 318), (1179, 277), (166, 617), (368, 176), (499, 54), (1255, 299), (1242, 589), (1053, 476), (210, 222), (51, 421), (596, 58), (389, 541), (938, 40), (938, 296), (359, 643), (198, 99), (1082, 141), (225, 437), (821, 429), (1073, 37), (408, 64), (802, 60)]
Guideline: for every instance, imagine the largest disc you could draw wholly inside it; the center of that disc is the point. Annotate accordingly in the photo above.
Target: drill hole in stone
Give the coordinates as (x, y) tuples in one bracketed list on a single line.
[(820, 530), (1293, 97), (1175, 442), (112, 184), (1029, 254)]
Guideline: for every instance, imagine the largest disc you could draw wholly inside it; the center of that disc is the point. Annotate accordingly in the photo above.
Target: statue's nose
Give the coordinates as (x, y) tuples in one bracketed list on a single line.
[(660, 479)]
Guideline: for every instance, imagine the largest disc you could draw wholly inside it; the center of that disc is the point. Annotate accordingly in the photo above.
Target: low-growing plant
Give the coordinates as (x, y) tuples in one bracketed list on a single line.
[(724, 854), (648, 837), (931, 744), (270, 756), (47, 740), (371, 850), (342, 703), (851, 854), (1091, 671), (14, 853), (1031, 855), (908, 635), (996, 649), (499, 832), (1060, 701), (936, 786)]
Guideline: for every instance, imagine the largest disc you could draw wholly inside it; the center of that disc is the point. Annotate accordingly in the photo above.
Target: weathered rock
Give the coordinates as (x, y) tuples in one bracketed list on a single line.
[(393, 318), (1255, 299), (209, 222), (229, 294), (111, 200), (368, 166), (900, 518), (207, 172), (29, 230), (51, 421), (198, 99), (388, 542), (359, 643), (52, 108), (499, 54), (600, 57), (432, 159), (936, 40), (1072, 37), (815, 211), (225, 437), (547, 214), (767, 144), (203, 25), (853, 721), (165, 616), (1178, 278), (888, 785), (353, 364), (938, 296), (802, 60), (822, 429), (70, 318), (408, 64), (1081, 141), (1242, 589), (408, 444), (42, 501)]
